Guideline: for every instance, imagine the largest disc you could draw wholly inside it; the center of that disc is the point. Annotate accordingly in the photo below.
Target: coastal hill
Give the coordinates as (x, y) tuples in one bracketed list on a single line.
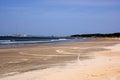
[(97, 35)]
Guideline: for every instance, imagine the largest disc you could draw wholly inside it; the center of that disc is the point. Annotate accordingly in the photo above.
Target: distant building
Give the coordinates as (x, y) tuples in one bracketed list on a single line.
[(19, 35)]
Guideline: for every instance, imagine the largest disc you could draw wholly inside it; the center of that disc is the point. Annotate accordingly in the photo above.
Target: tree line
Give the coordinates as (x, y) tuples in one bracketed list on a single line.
[(97, 35)]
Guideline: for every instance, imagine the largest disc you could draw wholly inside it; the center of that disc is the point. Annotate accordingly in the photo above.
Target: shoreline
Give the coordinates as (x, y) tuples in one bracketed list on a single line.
[(61, 42), (85, 52)]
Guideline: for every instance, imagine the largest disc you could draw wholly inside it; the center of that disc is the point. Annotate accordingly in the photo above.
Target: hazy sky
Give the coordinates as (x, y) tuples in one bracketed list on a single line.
[(59, 17)]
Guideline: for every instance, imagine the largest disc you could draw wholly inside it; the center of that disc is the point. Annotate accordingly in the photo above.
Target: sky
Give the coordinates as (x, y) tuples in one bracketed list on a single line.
[(59, 17)]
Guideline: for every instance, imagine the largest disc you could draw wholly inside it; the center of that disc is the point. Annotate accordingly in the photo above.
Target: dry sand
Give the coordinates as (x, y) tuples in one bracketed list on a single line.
[(89, 60)]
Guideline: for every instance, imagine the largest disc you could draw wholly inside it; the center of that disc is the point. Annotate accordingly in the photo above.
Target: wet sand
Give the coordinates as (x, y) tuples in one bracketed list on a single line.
[(86, 60)]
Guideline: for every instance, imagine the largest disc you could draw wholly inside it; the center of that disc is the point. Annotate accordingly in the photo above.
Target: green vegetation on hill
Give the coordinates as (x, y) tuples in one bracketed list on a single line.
[(97, 35)]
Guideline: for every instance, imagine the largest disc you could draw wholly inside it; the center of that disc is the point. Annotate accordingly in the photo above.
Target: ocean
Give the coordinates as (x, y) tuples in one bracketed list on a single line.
[(8, 41)]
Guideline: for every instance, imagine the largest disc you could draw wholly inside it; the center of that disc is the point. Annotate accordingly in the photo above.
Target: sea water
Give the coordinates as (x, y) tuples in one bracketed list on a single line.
[(6, 42)]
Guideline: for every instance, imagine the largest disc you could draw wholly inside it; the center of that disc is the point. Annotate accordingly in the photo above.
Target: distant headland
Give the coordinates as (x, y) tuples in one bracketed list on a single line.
[(94, 35), (97, 35)]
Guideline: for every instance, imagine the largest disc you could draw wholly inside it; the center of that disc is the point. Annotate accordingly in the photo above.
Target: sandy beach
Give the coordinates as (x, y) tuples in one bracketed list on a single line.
[(85, 60)]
